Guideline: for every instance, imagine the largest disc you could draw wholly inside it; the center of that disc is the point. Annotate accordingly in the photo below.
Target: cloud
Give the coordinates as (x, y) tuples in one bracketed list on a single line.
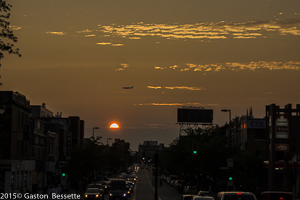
[(184, 88), (159, 68), (175, 87), (116, 45), (104, 43), (154, 87), (206, 31), (84, 31), (173, 67), (235, 66), (124, 66), (177, 104), (15, 28), (55, 33), (134, 38)]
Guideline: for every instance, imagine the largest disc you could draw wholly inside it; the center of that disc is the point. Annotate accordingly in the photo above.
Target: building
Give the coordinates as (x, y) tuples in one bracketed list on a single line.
[(16, 164), (33, 144), (253, 135), (147, 150), (283, 130)]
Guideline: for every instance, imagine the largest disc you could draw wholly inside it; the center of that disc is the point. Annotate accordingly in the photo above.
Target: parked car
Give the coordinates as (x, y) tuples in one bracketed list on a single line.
[(130, 186), (105, 186), (203, 193), (277, 195), (190, 190), (93, 193), (235, 195)]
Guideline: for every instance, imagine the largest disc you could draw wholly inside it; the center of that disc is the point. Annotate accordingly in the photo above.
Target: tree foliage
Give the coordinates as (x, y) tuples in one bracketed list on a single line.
[(93, 158), (6, 34), (211, 159)]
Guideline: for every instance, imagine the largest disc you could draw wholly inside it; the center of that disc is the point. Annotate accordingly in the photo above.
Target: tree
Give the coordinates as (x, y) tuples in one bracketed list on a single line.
[(6, 34)]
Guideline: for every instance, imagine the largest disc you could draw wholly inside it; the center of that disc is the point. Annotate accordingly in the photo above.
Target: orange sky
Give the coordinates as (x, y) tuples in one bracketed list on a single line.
[(78, 55)]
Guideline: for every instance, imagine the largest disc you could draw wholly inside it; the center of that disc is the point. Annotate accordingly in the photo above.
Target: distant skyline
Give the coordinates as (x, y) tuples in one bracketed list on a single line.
[(78, 55)]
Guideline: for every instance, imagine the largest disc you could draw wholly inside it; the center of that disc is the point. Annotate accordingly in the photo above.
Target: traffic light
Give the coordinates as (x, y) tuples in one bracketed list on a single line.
[(230, 178), (195, 148), (63, 174)]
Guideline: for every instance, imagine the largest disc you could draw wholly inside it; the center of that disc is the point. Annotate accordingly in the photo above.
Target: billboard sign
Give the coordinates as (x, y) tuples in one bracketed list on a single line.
[(281, 127), (199, 115), (281, 147), (256, 124)]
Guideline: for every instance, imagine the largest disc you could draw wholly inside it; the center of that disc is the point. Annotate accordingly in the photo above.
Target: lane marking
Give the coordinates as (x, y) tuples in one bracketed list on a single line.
[(151, 185)]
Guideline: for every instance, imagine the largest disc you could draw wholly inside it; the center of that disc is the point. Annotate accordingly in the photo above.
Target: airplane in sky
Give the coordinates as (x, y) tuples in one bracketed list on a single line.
[(128, 87)]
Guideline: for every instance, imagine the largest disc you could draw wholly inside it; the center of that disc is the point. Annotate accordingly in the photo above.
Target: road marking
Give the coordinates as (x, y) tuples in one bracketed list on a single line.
[(151, 185)]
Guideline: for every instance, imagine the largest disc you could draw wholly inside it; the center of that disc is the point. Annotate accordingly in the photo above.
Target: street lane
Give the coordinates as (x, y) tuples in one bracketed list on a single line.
[(145, 190)]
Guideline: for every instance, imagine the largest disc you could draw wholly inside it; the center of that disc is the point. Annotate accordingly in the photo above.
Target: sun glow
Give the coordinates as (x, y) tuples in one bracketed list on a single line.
[(114, 126)]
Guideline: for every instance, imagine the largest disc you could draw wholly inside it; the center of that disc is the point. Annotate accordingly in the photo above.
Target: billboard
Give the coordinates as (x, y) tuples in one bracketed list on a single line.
[(194, 115)]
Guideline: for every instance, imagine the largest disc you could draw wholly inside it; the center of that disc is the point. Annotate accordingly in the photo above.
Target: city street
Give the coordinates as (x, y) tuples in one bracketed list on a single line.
[(145, 191)]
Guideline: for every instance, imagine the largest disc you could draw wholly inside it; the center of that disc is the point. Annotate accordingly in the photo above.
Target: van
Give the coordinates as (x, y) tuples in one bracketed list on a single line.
[(118, 190)]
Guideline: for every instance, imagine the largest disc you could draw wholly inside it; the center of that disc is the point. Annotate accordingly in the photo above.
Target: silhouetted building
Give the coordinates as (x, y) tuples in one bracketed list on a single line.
[(16, 149), (148, 149)]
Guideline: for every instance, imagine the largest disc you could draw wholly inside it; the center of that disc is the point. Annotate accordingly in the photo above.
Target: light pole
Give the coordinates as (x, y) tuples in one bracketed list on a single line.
[(94, 131), (107, 141), (230, 182), (225, 110)]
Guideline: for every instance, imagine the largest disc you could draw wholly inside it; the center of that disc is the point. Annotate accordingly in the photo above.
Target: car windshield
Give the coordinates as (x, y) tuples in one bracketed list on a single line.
[(94, 186), (92, 190)]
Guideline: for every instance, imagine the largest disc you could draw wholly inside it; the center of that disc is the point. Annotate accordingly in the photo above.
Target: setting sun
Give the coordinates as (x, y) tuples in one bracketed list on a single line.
[(114, 126)]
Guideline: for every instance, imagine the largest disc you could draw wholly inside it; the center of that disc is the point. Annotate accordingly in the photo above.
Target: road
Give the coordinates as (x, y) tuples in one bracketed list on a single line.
[(145, 191)]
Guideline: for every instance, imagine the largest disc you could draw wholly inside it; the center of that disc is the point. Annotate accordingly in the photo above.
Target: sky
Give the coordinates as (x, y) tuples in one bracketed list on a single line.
[(218, 54)]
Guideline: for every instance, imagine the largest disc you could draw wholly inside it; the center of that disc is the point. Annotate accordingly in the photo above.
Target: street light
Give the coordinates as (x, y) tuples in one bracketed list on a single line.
[(94, 131), (225, 110)]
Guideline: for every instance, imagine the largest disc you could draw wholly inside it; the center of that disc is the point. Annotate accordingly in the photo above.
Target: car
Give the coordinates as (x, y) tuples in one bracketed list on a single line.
[(105, 186), (98, 186), (93, 193), (131, 177), (277, 195), (130, 185), (203, 193), (235, 195), (118, 190), (186, 197), (202, 198), (190, 190)]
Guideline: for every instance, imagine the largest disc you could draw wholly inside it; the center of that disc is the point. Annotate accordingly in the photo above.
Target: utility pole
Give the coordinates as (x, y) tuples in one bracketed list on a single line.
[(156, 168)]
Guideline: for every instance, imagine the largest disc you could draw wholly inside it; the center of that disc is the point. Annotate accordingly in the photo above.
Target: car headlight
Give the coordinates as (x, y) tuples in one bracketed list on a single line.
[(110, 194)]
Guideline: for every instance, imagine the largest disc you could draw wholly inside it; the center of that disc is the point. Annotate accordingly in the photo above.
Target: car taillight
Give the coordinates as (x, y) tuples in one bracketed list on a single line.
[(281, 198), (239, 193)]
